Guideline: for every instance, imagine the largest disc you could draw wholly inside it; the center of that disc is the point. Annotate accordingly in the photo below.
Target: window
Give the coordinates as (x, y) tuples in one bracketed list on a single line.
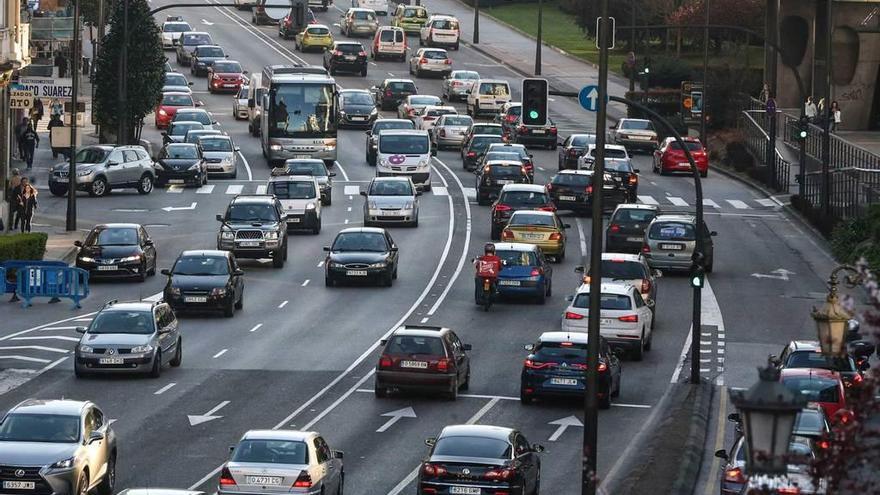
[(142, 155), (387, 35), (490, 448), (813, 388), (527, 218), (637, 125), (251, 213), (201, 265), (175, 80), (182, 151), (322, 452), (672, 231), (520, 445), (623, 270), (113, 237), (416, 345), (497, 89), (361, 241), (524, 198), (40, 428), (271, 452), (227, 67), (635, 216), (215, 144), (555, 352), (391, 188), (292, 189), (576, 180), (617, 302), (98, 418), (173, 100), (518, 258), (506, 171), (404, 145)]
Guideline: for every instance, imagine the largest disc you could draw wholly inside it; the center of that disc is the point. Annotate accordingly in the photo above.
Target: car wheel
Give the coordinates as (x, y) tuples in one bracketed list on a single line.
[(387, 280), (240, 303), (57, 190), (495, 233), (82, 486), (278, 259), (99, 187), (380, 391), (542, 297), (453, 393), (550, 288), (364, 71), (467, 381), (109, 482), (616, 392), (229, 310), (605, 400), (317, 229), (524, 398), (145, 184), (78, 371), (156, 371), (142, 273), (178, 355), (639, 353), (704, 174), (650, 340)]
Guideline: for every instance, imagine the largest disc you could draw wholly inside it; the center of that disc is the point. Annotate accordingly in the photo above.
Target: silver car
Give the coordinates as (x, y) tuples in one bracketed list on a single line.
[(359, 22), (221, 155), (100, 168), (200, 115), (635, 133), (267, 462), (129, 337), (193, 136), (171, 32), (391, 200), (60, 447), (670, 241), (300, 198), (175, 82), (430, 60), (458, 83), (239, 104), (450, 131)]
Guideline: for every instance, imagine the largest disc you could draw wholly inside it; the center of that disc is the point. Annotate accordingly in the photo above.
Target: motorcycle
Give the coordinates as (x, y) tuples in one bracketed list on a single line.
[(488, 294)]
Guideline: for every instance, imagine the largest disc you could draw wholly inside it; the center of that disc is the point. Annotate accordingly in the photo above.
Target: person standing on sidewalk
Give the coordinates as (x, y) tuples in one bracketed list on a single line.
[(820, 112), (61, 63), (12, 194), (56, 108), (835, 116), (37, 112), (810, 109), (19, 135), (765, 93), (27, 204), (30, 140)]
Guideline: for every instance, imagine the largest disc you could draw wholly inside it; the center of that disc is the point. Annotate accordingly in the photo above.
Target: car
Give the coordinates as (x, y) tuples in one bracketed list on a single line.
[(175, 82), (269, 11), (808, 354), (244, 5), (171, 31), (546, 135), (287, 27), (626, 228), (421, 357), (487, 96), (507, 117), (457, 84), (205, 280), (627, 321), (378, 6), (226, 76), (177, 130), (168, 106), (670, 242), (427, 116), (199, 115), (316, 168), (380, 125), (520, 149), (167, 66), (505, 155), (187, 42), (525, 271), (798, 479), (183, 164), (299, 460), (323, 5), (634, 134), (612, 152), (556, 367), (574, 190), (391, 92), (669, 157), (629, 269), (240, 104), (391, 200), (466, 458), (625, 177), (361, 253), (410, 18), (102, 167), (430, 61), (411, 105), (193, 136), (475, 148), (300, 199), (541, 228), (482, 128), (220, 154), (450, 130), (440, 30), (129, 337), (389, 41), (572, 147), (356, 107), (346, 56), (158, 491), (254, 227), (405, 153), (63, 447), (358, 22), (514, 197), (314, 36), (117, 250), (203, 56)]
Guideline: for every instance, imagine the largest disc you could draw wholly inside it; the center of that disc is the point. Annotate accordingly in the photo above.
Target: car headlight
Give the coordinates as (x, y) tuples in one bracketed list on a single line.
[(310, 206), (383, 162), (162, 112), (272, 235), (334, 264), (372, 205), (275, 147), (87, 349), (129, 258), (408, 206), (142, 349), (195, 166), (219, 291), (158, 166), (375, 111), (87, 259), (330, 147), (64, 464), (378, 265), (175, 291), (423, 163), (83, 172), (342, 112), (227, 235)]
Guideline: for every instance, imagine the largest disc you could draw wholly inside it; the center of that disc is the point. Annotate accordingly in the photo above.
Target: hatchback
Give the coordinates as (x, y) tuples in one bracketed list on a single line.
[(410, 18), (356, 107), (226, 76), (169, 105), (626, 227), (670, 241), (220, 154), (183, 164), (797, 479), (450, 131), (314, 36), (117, 250), (176, 82), (572, 147), (507, 117), (430, 61), (316, 168), (514, 197), (205, 280), (358, 22), (428, 116), (346, 56), (669, 157), (822, 386), (476, 147), (440, 30), (391, 92), (524, 155), (494, 175), (574, 190), (629, 269), (541, 228), (526, 272), (483, 128), (419, 357), (391, 200), (239, 104), (411, 105)]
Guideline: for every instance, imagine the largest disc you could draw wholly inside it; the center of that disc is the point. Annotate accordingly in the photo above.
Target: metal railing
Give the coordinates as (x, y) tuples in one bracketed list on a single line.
[(757, 141), (851, 191), (843, 154)]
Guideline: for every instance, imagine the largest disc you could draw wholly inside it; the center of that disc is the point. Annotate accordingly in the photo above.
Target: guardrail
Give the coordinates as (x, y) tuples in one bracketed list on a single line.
[(51, 281), (757, 141), (10, 269), (850, 191), (843, 154)]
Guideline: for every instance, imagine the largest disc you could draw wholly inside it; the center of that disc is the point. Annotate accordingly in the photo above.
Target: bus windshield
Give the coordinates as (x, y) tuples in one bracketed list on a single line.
[(301, 110)]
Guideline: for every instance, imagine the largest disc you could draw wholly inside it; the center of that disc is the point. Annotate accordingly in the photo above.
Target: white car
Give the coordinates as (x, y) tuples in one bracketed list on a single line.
[(430, 60), (240, 104), (612, 152), (300, 196), (413, 104), (381, 7), (171, 32), (487, 96), (440, 30), (626, 321), (428, 116), (458, 84)]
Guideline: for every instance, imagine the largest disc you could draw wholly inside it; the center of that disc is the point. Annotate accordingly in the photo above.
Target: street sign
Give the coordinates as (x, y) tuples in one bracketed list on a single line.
[(696, 102), (611, 34), (21, 99), (589, 98), (47, 87)]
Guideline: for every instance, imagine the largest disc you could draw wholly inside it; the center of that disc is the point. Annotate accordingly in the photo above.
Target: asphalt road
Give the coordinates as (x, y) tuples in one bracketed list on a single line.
[(302, 356)]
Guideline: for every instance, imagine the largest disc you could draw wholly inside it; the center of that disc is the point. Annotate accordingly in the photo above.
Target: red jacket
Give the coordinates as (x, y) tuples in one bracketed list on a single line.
[(488, 266)]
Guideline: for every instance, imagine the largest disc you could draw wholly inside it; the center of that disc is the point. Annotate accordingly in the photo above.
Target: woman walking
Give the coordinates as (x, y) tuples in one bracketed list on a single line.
[(27, 204), (835, 116), (12, 198), (810, 110)]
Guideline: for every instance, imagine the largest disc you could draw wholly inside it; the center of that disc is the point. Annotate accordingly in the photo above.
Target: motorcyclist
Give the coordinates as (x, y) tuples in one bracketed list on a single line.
[(487, 266)]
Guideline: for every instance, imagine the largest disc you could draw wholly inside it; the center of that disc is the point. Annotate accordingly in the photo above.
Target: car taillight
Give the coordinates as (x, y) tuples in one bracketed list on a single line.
[(510, 118), (443, 365), (443, 132), (572, 153), (226, 478), (588, 189), (857, 379), (362, 53), (471, 154), (388, 93), (507, 235), (587, 279), (498, 474), (435, 470), (547, 208), (629, 318), (553, 130), (536, 365), (555, 236), (385, 362), (646, 248), (456, 83), (614, 227), (734, 475), (500, 207), (602, 367), (522, 129), (549, 187), (536, 272), (447, 62), (337, 53), (304, 480), (823, 444), (633, 179), (646, 286), (423, 61), (788, 490), (573, 316)]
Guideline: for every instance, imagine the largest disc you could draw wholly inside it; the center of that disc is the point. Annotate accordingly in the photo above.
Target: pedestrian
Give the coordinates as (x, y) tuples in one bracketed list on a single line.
[(770, 108), (54, 121), (19, 135), (61, 63), (765, 93), (37, 112), (27, 204), (56, 108), (810, 109), (12, 195), (835, 116), (30, 140), (820, 112)]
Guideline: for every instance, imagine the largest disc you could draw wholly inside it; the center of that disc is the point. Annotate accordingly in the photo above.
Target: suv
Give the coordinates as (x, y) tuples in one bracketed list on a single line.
[(629, 269), (391, 92), (254, 227), (187, 43), (487, 96), (129, 337), (347, 56), (671, 240), (626, 228), (627, 321), (423, 357), (300, 198), (515, 197), (102, 167), (440, 30), (51, 446)]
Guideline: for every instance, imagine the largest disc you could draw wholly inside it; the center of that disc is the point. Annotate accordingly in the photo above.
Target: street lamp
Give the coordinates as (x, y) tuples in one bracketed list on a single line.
[(769, 410), (832, 319)]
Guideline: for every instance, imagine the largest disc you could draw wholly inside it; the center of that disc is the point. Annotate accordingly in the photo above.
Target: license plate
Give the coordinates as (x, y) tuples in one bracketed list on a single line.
[(538, 131), (567, 198), (504, 181), (107, 268), (605, 321), (350, 57), (641, 138), (301, 155), (634, 239), (18, 485), (263, 480), (293, 220), (249, 243), (195, 299), (230, 85), (114, 360), (533, 237), (414, 364), (358, 118), (684, 164), (563, 381), (512, 283), (176, 181), (356, 273), (464, 490), (672, 247)]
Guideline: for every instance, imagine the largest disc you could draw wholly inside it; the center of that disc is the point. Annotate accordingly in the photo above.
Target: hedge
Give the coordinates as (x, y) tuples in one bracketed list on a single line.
[(29, 246), (858, 238)]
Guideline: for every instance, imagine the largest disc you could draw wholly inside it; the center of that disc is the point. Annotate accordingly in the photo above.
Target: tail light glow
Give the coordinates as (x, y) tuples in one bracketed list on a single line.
[(226, 478), (362, 53), (388, 93), (304, 480), (555, 236), (471, 154), (498, 474), (501, 207), (569, 315), (646, 248), (385, 362), (614, 227), (443, 365), (633, 179), (547, 208), (629, 318), (589, 189), (536, 365), (434, 470), (507, 235), (734, 475), (537, 272)]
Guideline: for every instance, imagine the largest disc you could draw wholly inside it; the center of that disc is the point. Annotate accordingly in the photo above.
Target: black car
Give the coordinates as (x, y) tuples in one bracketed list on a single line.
[(417, 357), (254, 227), (574, 190), (117, 250), (626, 227), (361, 253), (202, 58), (205, 280), (546, 135), (625, 176), (181, 163), (382, 125), (572, 148), (476, 148), (516, 197), (391, 92), (557, 366), (356, 107), (475, 457), (346, 56), (495, 174), (520, 149)]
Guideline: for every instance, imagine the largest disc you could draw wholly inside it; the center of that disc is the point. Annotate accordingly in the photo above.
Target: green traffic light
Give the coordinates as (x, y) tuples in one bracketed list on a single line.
[(533, 114), (803, 134), (697, 281)]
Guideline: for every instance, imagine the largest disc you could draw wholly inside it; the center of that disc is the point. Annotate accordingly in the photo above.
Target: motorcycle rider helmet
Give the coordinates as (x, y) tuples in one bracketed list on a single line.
[(489, 249)]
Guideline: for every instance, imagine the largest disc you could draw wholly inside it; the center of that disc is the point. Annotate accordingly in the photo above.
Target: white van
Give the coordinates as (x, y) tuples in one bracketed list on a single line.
[(440, 30), (254, 102), (407, 153), (487, 96), (380, 7), (389, 41)]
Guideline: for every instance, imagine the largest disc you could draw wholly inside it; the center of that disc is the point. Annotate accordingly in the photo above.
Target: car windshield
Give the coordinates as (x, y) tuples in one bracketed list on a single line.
[(445, 24), (383, 125), (504, 170), (92, 155), (672, 231), (195, 136), (55, 428), (495, 130), (302, 110), (488, 448), (637, 125), (360, 241), (122, 236), (391, 188), (620, 302), (457, 120), (501, 155), (181, 152), (358, 98), (618, 166), (576, 180), (243, 92), (231, 67), (177, 100), (132, 322), (515, 110), (434, 54), (497, 89), (251, 213), (404, 145), (212, 51), (410, 344), (466, 74), (387, 35), (482, 143), (555, 352), (176, 27), (691, 145), (175, 80), (813, 388), (364, 15), (402, 86), (292, 189), (424, 100), (315, 168), (181, 128), (421, 13), (318, 31), (814, 359), (517, 258), (626, 215), (622, 270), (524, 198), (349, 47), (201, 265), (582, 140), (526, 218), (200, 117), (215, 144), (610, 153), (196, 39), (271, 452)]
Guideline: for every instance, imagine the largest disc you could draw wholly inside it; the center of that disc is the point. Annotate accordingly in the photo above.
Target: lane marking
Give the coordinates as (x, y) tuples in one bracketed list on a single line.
[(56, 337), (305, 283), (470, 192), (338, 401), (261, 189), (222, 352), (234, 189), (283, 303), (34, 347), (439, 191), (174, 189), (351, 190), (164, 389), (342, 171), (247, 166), (739, 205), (677, 201), (582, 240), (47, 329), (206, 189), (425, 319), (648, 200), (349, 208), (768, 202), (256, 327), (27, 358), (320, 264), (467, 236)]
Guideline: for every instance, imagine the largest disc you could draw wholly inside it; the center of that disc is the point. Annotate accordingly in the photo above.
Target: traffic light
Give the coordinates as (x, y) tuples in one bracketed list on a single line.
[(534, 101), (803, 127), (698, 273)]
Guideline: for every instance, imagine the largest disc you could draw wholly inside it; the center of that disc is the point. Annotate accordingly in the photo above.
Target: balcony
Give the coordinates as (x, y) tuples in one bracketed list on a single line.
[(14, 46)]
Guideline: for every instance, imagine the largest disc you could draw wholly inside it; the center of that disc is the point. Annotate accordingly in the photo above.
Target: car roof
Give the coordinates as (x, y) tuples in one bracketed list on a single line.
[(353, 43), (636, 206), (209, 45), (622, 256), (421, 331), (523, 187), (196, 32), (515, 246), (487, 431), (516, 146), (318, 26), (158, 491), (176, 93), (576, 337), (627, 119), (608, 147), (434, 50), (391, 28), (213, 135), (493, 81), (422, 95), (181, 145), (487, 124), (404, 132), (118, 225), (64, 407), (205, 252), (253, 198), (292, 178), (128, 306), (373, 230), (398, 79), (804, 345), (294, 435), (617, 288), (391, 178), (443, 16), (575, 172), (675, 217), (504, 162), (809, 372), (174, 73), (428, 108), (493, 136)]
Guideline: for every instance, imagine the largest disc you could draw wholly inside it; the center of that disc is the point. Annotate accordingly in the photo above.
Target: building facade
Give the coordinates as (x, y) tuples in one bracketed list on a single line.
[(14, 56)]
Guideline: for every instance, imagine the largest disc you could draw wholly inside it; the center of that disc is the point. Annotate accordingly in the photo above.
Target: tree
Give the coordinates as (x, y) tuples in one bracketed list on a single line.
[(89, 10), (144, 76)]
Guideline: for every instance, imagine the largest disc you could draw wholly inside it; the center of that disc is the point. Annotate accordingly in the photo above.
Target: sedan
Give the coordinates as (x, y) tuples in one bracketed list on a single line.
[(117, 250), (361, 254), (220, 154), (203, 57), (240, 104), (468, 458), (483, 128), (205, 280), (634, 133), (541, 228), (356, 107), (226, 76), (626, 227), (423, 358), (572, 147), (346, 56), (430, 60), (176, 82), (427, 117), (314, 36), (669, 157), (181, 163), (458, 84), (413, 104), (450, 131), (169, 105), (391, 200), (282, 461), (199, 115), (526, 272)]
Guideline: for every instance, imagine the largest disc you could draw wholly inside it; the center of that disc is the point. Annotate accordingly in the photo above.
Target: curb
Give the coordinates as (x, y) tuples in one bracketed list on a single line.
[(695, 445)]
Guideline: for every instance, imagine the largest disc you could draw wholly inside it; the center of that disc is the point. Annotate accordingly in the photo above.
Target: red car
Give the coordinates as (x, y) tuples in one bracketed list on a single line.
[(669, 157), (226, 76), (167, 108), (823, 387)]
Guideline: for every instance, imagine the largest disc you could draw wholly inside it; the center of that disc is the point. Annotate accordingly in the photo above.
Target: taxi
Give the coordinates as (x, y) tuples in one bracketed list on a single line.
[(313, 37), (541, 228)]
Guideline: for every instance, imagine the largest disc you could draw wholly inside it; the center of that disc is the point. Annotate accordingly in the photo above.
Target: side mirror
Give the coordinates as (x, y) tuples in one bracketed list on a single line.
[(165, 271), (722, 454), (618, 352), (775, 360), (331, 174), (189, 84), (569, 298), (418, 193), (78, 243), (536, 447), (657, 273), (529, 347), (80, 329), (237, 149), (231, 449), (251, 103), (636, 170), (244, 72), (148, 242), (651, 303), (713, 233), (580, 269), (467, 347), (383, 342), (433, 151), (394, 248), (861, 348), (327, 248), (430, 441), (95, 436), (111, 163), (363, 193), (566, 226), (164, 134), (238, 273), (369, 133), (734, 417), (219, 217), (338, 454), (200, 103)]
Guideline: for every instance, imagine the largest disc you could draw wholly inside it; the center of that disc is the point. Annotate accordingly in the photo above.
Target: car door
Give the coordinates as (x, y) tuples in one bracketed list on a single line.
[(323, 466), (462, 362), (524, 456), (131, 167), (237, 279), (644, 311), (96, 451), (114, 170), (148, 248), (165, 338)]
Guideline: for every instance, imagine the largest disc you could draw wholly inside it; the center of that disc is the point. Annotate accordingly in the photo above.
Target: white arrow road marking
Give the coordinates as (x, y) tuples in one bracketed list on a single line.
[(563, 424), (174, 189), (192, 206), (207, 22), (406, 412), (710, 203), (439, 191), (198, 419), (780, 274)]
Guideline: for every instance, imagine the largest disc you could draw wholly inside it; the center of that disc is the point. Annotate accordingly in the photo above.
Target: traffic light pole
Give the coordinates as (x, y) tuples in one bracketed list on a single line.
[(539, 42), (476, 40)]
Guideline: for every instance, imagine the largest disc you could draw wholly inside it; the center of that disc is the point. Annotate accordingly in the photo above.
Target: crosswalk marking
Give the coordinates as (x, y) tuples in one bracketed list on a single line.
[(352, 190), (206, 189), (677, 201), (27, 358), (648, 200), (234, 189), (470, 192), (739, 205), (439, 191), (711, 203), (175, 189), (261, 189), (765, 202)]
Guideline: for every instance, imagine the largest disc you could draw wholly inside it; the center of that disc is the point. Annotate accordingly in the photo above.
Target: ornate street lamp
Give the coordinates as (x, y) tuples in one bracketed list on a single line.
[(832, 319), (769, 410)]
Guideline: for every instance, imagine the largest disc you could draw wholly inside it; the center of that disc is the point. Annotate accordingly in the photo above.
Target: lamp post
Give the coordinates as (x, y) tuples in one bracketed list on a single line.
[(538, 38), (476, 22), (832, 319)]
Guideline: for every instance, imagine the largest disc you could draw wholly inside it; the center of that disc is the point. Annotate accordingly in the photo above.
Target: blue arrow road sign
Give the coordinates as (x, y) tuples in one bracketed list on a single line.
[(589, 98)]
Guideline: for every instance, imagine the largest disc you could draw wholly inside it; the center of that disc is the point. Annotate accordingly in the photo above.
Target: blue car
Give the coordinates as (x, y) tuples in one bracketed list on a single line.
[(526, 272)]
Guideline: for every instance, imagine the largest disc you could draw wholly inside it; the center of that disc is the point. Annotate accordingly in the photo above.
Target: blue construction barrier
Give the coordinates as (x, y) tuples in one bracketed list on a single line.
[(11, 267), (52, 281)]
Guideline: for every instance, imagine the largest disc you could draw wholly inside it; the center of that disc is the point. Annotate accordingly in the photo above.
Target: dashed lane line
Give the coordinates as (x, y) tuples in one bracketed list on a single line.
[(256, 327), (50, 337), (222, 352), (165, 389), (283, 303)]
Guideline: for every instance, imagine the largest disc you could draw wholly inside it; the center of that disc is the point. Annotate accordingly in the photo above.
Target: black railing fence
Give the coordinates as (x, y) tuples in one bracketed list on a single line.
[(778, 175)]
